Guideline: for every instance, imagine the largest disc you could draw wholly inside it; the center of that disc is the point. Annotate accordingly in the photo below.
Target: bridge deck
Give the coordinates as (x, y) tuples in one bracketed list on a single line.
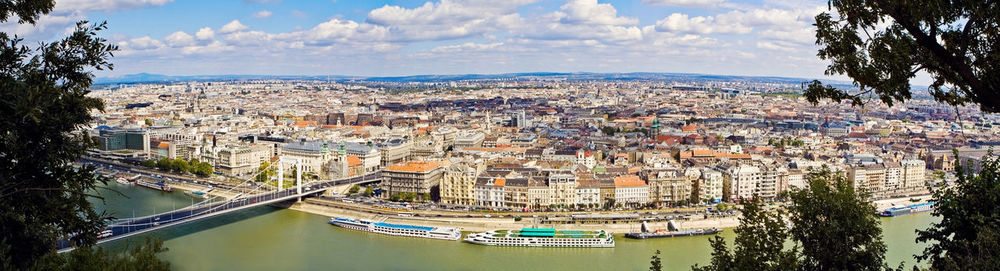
[(199, 211)]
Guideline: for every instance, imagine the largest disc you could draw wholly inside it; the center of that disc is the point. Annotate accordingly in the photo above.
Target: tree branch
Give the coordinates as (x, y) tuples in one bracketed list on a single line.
[(957, 65)]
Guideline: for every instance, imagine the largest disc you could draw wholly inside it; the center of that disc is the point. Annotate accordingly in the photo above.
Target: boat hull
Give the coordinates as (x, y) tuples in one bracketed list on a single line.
[(647, 235), (512, 240), (450, 234)]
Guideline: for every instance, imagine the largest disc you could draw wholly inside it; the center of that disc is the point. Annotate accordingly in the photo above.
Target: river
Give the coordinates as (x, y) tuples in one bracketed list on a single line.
[(269, 238)]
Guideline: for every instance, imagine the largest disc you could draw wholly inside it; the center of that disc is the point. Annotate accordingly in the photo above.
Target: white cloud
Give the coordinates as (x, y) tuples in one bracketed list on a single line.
[(582, 20), (262, 14), (45, 27), (801, 36), (212, 48), (469, 46), (144, 43), (179, 39), (495, 36), (105, 5), (205, 33), (681, 23), (774, 46), (592, 13), (446, 19), (233, 26), (684, 3)]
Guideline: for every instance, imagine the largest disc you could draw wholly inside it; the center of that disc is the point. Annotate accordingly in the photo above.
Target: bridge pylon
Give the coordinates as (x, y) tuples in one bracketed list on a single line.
[(298, 179)]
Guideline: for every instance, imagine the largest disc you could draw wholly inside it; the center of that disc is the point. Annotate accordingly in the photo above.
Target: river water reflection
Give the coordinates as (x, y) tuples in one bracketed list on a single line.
[(269, 238)]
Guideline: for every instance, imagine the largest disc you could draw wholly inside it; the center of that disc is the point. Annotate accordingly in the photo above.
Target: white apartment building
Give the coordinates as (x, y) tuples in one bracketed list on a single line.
[(458, 186), (631, 190), (914, 171), (710, 187), (562, 188), (744, 181)]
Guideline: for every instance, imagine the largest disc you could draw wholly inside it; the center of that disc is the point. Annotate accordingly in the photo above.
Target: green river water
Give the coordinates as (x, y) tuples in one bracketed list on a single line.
[(269, 238)]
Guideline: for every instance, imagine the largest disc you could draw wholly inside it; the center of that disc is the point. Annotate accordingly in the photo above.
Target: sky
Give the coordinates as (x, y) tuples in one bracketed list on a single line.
[(388, 38)]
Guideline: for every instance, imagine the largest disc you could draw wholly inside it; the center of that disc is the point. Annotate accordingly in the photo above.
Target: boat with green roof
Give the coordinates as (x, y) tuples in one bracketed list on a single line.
[(547, 237)]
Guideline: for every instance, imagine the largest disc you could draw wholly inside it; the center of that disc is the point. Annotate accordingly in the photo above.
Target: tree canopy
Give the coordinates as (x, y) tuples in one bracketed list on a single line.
[(759, 244), (968, 235), (882, 44), (43, 197), (830, 226), (835, 225)]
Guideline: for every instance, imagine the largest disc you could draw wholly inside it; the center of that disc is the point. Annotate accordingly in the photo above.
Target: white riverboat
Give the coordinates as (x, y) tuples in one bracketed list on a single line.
[(443, 233), (528, 237)]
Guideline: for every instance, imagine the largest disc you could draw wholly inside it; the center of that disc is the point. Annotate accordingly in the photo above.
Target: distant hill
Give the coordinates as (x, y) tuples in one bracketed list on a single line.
[(160, 78), (578, 76)]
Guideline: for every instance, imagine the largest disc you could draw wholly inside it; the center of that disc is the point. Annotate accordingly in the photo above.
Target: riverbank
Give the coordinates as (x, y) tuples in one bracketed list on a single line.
[(896, 202), (189, 187), (479, 224), (484, 223)]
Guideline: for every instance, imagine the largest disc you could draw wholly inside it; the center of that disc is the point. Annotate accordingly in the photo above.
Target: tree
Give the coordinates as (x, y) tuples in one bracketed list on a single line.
[(835, 226), (265, 172), (149, 123), (181, 165), (609, 131), (354, 189), (164, 164), (966, 238), (654, 262), (140, 257), (368, 190), (759, 244), (148, 163), (203, 169), (44, 105), (881, 45), (193, 168)]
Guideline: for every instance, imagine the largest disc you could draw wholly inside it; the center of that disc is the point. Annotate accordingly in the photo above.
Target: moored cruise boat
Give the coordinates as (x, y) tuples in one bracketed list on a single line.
[(123, 181), (444, 233), (528, 237), (909, 209), (671, 231)]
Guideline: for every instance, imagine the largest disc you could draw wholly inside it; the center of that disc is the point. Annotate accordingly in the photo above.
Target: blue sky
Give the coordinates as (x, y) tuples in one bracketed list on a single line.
[(377, 38)]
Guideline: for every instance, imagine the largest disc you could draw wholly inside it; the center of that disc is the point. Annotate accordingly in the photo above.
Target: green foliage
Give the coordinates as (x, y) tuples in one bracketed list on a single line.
[(141, 257), (608, 130), (966, 238), (354, 189), (181, 165), (881, 45), (403, 197), (203, 169), (265, 172), (759, 244), (721, 206), (43, 104), (148, 163), (149, 122), (165, 164), (654, 262), (369, 191), (835, 226)]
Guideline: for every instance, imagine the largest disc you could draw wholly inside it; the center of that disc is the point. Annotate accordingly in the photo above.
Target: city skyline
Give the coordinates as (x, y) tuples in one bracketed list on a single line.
[(396, 38)]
